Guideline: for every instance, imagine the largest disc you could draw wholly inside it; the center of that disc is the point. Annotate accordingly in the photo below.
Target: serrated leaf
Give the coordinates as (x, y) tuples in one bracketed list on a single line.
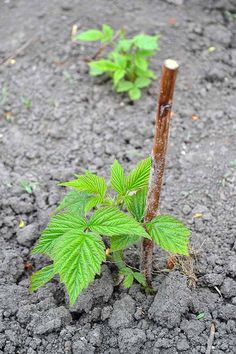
[(128, 280), (140, 278), (74, 202), (134, 93), (58, 226), (139, 176), (89, 183), (124, 86), (92, 203), (118, 75), (90, 35), (107, 33), (77, 259), (136, 203), (120, 242), (111, 221), (146, 42), (41, 277), (141, 82), (169, 233), (118, 178), (103, 65)]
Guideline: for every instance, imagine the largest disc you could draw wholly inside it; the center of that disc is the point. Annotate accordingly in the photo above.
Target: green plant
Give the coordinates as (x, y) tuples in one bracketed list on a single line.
[(94, 214), (28, 186), (27, 102), (127, 60)]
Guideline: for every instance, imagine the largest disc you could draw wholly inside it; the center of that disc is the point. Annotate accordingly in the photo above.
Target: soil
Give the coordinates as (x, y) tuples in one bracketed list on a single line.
[(78, 122)]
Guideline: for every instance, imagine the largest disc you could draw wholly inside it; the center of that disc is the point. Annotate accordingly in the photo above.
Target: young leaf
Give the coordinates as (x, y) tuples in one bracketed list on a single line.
[(124, 86), (103, 65), (111, 221), (128, 277), (128, 280), (140, 278), (124, 44), (90, 35), (141, 82), (145, 73), (95, 71), (170, 233), (41, 277), (120, 242), (141, 62), (92, 203), (118, 75), (118, 178), (139, 176), (134, 93), (59, 225), (74, 202), (136, 203), (89, 183), (77, 259), (107, 33), (143, 41)]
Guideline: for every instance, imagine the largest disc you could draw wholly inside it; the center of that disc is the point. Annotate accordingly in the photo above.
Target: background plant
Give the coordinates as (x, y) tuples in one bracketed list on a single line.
[(96, 221), (125, 60)]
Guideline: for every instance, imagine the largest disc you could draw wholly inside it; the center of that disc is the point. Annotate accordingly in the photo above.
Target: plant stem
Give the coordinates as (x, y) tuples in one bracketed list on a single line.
[(169, 72)]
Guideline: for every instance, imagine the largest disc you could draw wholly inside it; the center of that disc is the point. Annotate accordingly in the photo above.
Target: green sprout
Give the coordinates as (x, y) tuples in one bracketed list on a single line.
[(125, 60)]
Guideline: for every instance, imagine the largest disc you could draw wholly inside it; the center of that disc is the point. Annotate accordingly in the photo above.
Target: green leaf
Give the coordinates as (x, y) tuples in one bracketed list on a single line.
[(103, 65), (120, 242), (128, 277), (89, 183), (136, 203), (77, 259), (144, 41), (128, 281), (90, 35), (170, 233), (92, 203), (134, 93), (118, 178), (145, 73), (95, 71), (107, 33), (111, 221), (124, 86), (58, 226), (139, 176), (124, 44), (140, 278), (142, 82), (118, 75), (74, 202), (141, 62), (41, 277)]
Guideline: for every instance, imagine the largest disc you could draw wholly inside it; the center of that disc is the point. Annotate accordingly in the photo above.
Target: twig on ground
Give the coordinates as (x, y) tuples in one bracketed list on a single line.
[(19, 50), (211, 338)]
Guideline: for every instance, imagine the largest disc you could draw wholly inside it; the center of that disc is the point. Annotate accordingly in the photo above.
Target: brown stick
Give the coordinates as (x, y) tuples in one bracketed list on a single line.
[(169, 72)]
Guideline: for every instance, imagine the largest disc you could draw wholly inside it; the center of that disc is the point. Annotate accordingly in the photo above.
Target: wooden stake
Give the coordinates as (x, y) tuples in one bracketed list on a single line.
[(169, 72)]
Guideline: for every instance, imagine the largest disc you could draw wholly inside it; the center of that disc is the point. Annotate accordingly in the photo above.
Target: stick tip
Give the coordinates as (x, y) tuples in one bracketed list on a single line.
[(171, 64)]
